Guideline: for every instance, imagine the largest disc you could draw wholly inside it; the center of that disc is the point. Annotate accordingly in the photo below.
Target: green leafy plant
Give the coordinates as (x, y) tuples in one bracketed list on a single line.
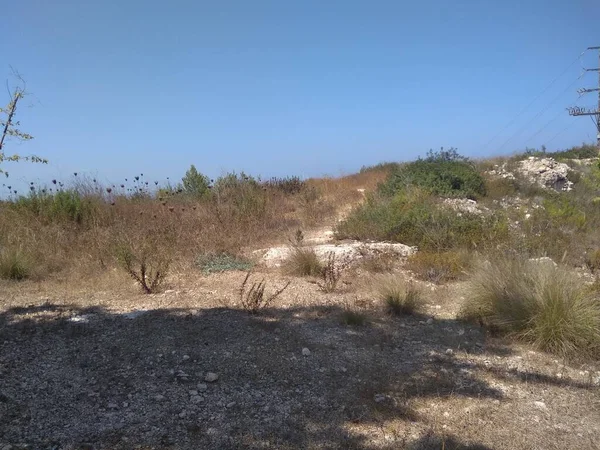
[(254, 299), (211, 263)]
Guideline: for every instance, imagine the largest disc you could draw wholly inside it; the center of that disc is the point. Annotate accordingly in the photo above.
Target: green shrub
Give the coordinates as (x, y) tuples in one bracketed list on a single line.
[(439, 267), (537, 302), (195, 184), (210, 263), (443, 173), (401, 297), (14, 265), (61, 206), (413, 217), (239, 197)]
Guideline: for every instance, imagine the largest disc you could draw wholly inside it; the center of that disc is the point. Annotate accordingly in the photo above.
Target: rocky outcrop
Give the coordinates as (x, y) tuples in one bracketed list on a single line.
[(546, 172)]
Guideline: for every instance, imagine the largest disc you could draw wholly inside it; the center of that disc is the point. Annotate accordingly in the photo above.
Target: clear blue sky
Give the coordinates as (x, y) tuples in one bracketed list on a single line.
[(289, 87)]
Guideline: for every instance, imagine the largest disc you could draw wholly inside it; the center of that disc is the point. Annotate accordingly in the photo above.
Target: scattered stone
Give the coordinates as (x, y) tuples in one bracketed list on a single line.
[(193, 392), (186, 357), (429, 321), (305, 352), (449, 352), (159, 397), (211, 377), (379, 398), (202, 387), (196, 399), (465, 205), (112, 406), (230, 404), (540, 405)]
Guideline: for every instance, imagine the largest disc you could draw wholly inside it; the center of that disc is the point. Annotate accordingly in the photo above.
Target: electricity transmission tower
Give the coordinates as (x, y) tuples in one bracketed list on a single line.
[(594, 114)]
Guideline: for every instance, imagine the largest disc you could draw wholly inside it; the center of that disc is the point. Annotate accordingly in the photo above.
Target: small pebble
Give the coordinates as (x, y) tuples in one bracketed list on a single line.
[(211, 377), (202, 387), (305, 352)]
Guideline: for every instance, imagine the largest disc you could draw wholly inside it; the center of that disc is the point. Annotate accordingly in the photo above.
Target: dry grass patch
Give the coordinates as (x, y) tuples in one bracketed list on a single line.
[(439, 267), (401, 297), (536, 302), (14, 265)]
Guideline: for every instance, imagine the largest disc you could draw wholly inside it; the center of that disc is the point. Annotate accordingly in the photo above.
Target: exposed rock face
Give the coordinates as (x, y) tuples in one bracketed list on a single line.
[(546, 172), (347, 251)]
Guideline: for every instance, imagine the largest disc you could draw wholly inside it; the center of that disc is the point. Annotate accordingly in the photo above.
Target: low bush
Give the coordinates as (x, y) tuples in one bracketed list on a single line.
[(414, 217), (401, 297), (444, 173), (14, 265), (537, 302), (211, 263), (287, 185), (58, 207), (439, 267)]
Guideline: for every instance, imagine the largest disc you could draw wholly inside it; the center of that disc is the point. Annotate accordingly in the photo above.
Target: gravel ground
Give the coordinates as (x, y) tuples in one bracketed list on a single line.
[(192, 374)]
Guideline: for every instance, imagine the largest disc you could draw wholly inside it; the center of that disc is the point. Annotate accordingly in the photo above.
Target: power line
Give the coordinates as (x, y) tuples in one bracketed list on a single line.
[(560, 133), (594, 114), (541, 112), (534, 100), (537, 133)]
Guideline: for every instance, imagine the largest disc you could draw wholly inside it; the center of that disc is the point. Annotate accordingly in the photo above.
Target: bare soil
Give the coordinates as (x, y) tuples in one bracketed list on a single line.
[(78, 371)]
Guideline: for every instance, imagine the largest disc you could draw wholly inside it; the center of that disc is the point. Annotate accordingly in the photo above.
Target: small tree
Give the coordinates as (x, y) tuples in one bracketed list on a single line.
[(8, 125), (195, 184)]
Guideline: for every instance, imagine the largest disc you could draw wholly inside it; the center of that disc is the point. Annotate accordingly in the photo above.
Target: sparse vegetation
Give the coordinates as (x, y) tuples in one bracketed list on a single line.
[(439, 267), (537, 302), (353, 314), (331, 273), (146, 263), (400, 297), (254, 299)]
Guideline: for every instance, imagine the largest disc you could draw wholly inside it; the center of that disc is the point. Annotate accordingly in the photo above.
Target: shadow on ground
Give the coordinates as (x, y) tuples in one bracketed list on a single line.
[(88, 378)]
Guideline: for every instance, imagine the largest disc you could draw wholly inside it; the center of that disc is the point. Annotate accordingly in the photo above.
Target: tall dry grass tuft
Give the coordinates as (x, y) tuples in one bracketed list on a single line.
[(537, 302), (14, 264), (401, 297)]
